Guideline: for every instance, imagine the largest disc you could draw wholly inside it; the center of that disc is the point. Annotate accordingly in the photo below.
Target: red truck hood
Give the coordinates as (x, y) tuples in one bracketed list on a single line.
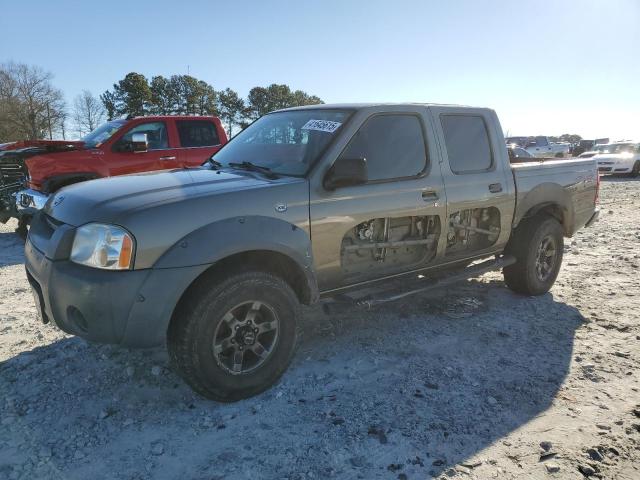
[(46, 145)]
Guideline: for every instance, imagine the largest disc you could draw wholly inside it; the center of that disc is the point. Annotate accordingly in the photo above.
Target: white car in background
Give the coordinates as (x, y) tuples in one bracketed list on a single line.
[(595, 151), (619, 158)]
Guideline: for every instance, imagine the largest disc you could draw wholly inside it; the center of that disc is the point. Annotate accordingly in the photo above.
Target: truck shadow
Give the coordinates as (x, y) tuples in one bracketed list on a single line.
[(413, 387)]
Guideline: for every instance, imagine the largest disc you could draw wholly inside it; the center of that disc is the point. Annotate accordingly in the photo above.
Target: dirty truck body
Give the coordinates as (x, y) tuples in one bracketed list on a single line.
[(305, 203)]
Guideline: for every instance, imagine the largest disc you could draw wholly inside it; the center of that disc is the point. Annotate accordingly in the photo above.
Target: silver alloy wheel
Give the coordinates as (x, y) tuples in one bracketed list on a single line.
[(246, 337), (546, 258)]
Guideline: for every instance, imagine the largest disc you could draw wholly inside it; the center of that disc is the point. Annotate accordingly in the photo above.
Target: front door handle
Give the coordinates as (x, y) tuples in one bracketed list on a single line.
[(495, 187), (168, 158), (429, 195)]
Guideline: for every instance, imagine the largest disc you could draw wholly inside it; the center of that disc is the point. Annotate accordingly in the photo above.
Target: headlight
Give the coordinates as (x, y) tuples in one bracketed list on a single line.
[(103, 246)]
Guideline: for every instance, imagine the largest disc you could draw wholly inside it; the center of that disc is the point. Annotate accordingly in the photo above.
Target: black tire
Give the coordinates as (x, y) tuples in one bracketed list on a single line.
[(23, 227), (533, 274), (203, 314), (636, 170)]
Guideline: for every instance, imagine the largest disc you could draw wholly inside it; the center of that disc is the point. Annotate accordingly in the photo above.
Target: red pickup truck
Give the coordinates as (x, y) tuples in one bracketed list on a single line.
[(31, 171)]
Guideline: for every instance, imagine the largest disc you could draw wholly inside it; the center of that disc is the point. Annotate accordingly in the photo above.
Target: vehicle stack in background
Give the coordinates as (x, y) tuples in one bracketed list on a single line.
[(30, 171), (621, 157)]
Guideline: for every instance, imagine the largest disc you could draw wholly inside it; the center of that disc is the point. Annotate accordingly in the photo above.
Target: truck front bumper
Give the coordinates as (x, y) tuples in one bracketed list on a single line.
[(131, 308), (30, 201)]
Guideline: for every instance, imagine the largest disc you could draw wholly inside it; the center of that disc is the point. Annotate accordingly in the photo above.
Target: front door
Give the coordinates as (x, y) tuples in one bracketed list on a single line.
[(478, 181), (393, 223), (160, 153)]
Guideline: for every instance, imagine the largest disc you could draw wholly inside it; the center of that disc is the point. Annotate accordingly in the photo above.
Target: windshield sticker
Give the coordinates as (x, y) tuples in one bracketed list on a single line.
[(322, 125)]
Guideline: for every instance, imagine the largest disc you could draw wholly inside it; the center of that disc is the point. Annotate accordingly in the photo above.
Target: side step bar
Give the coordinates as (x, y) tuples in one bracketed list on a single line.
[(369, 299)]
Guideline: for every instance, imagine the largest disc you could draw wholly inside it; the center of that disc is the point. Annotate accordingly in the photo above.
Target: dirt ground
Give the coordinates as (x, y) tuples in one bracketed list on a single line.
[(472, 382)]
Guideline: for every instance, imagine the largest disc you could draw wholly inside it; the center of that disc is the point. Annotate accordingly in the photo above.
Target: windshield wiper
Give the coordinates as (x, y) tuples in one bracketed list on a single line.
[(214, 163), (255, 168)]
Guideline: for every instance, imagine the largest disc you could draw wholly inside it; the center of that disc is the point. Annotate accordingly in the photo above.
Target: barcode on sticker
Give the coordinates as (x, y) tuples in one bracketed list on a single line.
[(322, 125)]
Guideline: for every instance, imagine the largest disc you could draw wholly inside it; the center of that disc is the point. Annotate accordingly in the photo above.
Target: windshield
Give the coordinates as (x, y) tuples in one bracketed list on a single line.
[(616, 148), (103, 133), (521, 141), (286, 142)]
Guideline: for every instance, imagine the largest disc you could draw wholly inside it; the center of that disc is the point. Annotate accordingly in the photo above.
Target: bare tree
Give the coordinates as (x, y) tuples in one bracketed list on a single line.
[(88, 113), (30, 107)]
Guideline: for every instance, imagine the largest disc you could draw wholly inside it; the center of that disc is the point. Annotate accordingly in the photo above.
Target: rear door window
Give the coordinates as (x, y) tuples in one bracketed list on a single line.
[(197, 133), (467, 141), (392, 144)]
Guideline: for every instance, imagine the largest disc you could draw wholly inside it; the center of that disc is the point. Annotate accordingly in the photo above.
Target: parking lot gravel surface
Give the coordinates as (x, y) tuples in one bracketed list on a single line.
[(472, 381)]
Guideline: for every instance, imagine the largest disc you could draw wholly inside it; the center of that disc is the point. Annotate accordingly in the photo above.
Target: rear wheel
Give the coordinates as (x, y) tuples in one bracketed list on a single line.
[(234, 339), (537, 245)]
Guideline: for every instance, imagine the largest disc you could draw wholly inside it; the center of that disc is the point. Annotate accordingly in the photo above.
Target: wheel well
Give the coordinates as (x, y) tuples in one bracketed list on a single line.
[(551, 209), (56, 183), (265, 260)]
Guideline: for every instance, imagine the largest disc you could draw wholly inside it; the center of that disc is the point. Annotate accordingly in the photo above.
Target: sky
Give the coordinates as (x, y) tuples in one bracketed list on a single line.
[(547, 67)]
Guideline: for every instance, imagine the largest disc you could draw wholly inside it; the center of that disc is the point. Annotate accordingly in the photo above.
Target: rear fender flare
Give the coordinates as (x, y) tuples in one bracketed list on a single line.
[(547, 196)]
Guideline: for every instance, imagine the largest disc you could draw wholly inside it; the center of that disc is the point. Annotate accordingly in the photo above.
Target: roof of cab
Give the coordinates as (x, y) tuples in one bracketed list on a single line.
[(358, 106)]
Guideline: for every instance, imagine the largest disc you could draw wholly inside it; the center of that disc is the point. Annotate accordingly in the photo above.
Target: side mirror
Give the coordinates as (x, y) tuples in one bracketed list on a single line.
[(139, 142), (346, 172)]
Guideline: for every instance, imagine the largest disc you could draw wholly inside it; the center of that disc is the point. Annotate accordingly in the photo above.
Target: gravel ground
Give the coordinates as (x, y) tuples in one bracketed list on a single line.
[(472, 382)]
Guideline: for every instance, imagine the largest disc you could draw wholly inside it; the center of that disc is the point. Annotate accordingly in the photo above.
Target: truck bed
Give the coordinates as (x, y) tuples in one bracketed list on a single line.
[(570, 183)]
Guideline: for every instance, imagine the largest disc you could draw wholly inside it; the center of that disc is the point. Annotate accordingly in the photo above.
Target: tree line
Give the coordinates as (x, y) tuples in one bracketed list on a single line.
[(134, 96), (31, 107)]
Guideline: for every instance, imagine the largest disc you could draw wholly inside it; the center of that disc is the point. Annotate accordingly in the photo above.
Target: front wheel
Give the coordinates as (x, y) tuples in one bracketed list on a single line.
[(537, 245), (23, 226), (636, 170), (234, 339)]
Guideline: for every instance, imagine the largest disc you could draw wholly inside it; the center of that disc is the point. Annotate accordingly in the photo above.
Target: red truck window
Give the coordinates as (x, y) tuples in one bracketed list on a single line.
[(197, 133), (156, 135)]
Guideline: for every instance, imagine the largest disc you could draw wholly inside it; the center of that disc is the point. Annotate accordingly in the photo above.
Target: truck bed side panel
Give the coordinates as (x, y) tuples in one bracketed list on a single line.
[(569, 184)]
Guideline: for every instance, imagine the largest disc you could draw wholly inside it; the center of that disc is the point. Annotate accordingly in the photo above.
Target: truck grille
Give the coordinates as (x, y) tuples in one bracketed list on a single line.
[(12, 173)]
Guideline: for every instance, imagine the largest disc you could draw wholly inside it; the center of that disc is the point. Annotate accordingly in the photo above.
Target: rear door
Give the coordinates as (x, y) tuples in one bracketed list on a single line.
[(393, 223), (161, 153), (199, 139), (478, 181)]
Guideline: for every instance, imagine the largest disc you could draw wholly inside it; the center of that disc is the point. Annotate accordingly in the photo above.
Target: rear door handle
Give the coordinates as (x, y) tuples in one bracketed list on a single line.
[(495, 187), (429, 195), (167, 158)]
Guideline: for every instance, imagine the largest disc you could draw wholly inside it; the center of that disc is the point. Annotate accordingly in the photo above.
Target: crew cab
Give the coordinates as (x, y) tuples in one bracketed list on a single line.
[(31, 171), (316, 203), (622, 158), (541, 146)]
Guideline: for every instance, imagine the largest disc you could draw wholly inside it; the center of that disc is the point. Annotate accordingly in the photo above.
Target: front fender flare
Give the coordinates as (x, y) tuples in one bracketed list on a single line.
[(224, 238)]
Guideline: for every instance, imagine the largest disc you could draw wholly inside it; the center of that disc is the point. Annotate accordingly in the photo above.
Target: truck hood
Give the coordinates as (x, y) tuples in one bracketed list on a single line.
[(109, 200), (49, 146)]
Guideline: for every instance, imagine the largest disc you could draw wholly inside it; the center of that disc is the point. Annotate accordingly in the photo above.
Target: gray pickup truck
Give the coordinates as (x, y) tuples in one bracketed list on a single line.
[(305, 204)]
